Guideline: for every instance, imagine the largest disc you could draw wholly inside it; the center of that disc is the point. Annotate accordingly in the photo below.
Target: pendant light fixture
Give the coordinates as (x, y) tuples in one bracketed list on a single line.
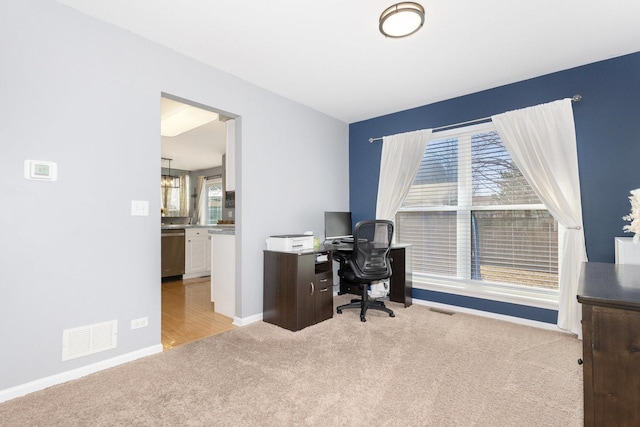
[(170, 180), (401, 20)]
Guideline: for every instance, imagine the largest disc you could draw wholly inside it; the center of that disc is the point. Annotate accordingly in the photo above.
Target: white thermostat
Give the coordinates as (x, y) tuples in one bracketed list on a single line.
[(40, 170)]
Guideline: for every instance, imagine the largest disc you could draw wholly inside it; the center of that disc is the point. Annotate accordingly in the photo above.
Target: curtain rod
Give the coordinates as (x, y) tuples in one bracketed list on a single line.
[(575, 98)]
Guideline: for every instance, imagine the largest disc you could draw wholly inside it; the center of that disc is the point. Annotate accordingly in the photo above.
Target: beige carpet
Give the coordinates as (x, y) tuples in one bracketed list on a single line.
[(421, 368)]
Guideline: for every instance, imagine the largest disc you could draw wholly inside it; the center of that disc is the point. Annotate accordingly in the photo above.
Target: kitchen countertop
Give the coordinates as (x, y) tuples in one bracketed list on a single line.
[(174, 226), (223, 229)]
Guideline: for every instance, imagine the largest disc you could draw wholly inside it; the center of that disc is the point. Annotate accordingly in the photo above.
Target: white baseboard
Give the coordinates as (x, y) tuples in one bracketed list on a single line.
[(512, 319), (244, 321), (42, 383), (195, 275)]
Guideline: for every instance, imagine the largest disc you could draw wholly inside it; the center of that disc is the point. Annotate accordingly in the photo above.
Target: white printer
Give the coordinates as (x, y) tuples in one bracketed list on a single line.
[(290, 243)]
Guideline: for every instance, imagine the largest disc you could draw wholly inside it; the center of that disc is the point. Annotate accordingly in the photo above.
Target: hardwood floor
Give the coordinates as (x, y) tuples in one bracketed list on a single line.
[(188, 313)]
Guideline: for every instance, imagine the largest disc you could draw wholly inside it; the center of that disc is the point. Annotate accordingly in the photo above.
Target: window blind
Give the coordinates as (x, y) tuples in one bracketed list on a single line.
[(470, 214)]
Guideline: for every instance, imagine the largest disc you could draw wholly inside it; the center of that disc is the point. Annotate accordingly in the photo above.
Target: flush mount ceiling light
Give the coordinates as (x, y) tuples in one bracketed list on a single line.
[(185, 119), (401, 20)]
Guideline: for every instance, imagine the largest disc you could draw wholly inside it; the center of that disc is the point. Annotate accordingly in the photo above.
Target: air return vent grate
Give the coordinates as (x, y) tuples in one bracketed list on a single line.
[(441, 311), (85, 340)]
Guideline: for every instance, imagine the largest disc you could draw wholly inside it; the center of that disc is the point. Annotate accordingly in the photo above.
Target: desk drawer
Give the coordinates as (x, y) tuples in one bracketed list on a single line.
[(324, 296), (324, 280)]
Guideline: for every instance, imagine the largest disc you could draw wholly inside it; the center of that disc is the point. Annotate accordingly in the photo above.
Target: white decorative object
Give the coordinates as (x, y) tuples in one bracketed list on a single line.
[(634, 216), (626, 251)]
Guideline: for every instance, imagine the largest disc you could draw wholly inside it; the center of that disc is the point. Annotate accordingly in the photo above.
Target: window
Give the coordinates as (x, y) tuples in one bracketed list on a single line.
[(174, 194), (213, 190), (475, 223)]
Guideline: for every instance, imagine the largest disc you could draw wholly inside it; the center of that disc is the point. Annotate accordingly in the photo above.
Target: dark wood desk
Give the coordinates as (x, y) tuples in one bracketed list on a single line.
[(400, 282), (610, 297), (298, 286)]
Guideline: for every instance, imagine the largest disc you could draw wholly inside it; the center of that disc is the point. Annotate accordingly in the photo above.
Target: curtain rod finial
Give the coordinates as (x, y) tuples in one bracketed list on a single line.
[(577, 98)]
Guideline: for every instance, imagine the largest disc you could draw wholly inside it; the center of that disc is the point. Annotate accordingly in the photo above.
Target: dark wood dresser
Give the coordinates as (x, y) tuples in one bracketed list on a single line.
[(610, 297)]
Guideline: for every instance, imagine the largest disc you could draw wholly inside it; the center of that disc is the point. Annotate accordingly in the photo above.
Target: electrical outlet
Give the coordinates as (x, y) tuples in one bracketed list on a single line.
[(230, 214), (139, 323)]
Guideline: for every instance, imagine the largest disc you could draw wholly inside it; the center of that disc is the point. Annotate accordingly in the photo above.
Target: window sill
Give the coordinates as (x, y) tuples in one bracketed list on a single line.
[(540, 298)]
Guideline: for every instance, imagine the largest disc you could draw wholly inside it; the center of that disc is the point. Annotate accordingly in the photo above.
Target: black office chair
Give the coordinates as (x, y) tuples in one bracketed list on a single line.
[(369, 261)]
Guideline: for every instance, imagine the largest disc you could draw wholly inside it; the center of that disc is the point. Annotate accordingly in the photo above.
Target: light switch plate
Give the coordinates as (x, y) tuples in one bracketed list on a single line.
[(139, 208)]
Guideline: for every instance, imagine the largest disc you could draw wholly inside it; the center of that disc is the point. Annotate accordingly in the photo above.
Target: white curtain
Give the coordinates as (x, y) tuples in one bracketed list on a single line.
[(399, 163), (542, 143), (175, 200), (184, 195), (201, 200)]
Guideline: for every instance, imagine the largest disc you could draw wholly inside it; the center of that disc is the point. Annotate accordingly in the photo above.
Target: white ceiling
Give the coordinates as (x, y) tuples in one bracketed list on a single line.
[(330, 56), (197, 149)]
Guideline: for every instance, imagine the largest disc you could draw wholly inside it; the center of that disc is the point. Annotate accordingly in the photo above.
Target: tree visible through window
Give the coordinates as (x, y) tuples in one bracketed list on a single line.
[(471, 215)]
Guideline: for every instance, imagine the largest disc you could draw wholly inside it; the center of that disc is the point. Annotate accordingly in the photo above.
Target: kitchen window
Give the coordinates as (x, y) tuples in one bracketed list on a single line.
[(476, 226), (214, 200), (175, 198)]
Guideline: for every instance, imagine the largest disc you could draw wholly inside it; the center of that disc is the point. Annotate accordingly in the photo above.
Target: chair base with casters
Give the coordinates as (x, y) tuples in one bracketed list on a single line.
[(364, 304)]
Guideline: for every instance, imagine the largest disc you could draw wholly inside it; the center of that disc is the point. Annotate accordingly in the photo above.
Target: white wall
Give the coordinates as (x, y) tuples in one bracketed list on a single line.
[(86, 95)]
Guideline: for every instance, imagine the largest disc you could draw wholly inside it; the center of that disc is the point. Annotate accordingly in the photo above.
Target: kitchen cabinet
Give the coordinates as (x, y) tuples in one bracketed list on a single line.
[(230, 157), (610, 297), (223, 271), (298, 288), (197, 253)]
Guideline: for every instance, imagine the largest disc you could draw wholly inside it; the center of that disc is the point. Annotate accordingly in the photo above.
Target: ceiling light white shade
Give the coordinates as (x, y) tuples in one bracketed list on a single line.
[(401, 19), (184, 120)]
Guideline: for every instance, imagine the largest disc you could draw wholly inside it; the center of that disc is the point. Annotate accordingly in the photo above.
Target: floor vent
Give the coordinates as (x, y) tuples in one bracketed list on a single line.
[(441, 311), (85, 340)]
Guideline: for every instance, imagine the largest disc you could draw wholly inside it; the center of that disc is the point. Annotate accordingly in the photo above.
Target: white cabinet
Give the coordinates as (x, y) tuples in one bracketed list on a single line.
[(197, 253), (230, 162), (223, 273)]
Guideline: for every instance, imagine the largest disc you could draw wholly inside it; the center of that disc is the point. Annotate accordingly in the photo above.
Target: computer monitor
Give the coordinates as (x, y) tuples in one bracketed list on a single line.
[(337, 225)]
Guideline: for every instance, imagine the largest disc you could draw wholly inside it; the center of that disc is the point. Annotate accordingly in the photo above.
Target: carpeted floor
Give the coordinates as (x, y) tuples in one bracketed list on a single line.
[(421, 368)]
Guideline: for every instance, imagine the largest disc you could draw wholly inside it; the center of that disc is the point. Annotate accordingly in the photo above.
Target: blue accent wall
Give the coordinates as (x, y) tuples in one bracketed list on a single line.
[(607, 129), (507, 309)]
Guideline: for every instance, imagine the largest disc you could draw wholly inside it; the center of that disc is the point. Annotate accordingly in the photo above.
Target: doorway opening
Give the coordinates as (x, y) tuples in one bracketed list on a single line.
[(196, 141)]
